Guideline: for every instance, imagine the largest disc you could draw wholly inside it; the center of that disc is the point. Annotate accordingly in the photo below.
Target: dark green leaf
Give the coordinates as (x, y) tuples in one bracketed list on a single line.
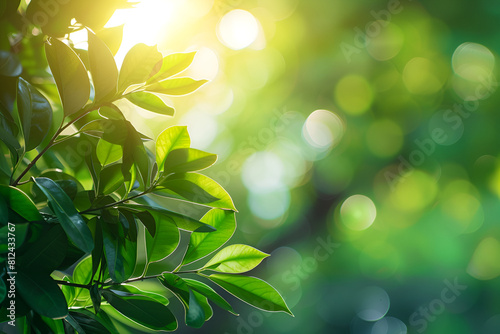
[(20, 233), (143, 310), (253, 291), (71, 221), (110, 179), (93, 324), (46, 253), (19, 202), (112, 251), (148, 220), (202, 244), (35, 113), (139, 64), (102, 67), (74, 324), (70, 76), (9, 64), (178, 86), (203, 302), (95, 295), (195, 316), (173, 64), (210, 293), (151, 102), (42, 294)]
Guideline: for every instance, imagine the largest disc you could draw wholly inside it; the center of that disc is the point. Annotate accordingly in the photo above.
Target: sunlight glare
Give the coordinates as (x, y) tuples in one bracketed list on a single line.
[(238, 29)]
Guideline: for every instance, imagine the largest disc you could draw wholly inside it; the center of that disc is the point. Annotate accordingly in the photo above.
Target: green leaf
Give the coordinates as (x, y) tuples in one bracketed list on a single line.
[(181, 221), (9, 64), (188, 160), (195, 315), (177, 86), (112, 251), (165, 240), (253, 291), (92, 323), (102, 67), (3, 289), (173, 64), (183, 189), (172, 138), (42, 294), (70, 75), (112, 37), (143, 310), (151, 102), (148, 220), (203, 302), (46, 253), (128, 288), (107, 152), (139, 64), (202, 244), (35, 113), (19, 202), (188, 186), (20, 233), (210, 293), (95, 295), (71, 221), (74, 324), (236, 259), (111, 111), (110, 179)]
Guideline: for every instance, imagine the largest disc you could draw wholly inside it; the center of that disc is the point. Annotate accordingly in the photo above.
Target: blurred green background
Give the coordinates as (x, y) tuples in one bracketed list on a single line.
[(359, 142)]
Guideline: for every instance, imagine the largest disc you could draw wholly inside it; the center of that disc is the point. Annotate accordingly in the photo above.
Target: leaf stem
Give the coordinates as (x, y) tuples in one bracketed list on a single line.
[(115, 203), (51, 143), (140, 279)]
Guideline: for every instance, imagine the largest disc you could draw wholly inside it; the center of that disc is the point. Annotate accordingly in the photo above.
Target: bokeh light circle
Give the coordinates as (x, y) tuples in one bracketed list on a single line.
[(473, 61), (374, 304), (323, 129), (389, 325), (238, 29), (420, 77), (384, 138), (354, 94), (358, 212)]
